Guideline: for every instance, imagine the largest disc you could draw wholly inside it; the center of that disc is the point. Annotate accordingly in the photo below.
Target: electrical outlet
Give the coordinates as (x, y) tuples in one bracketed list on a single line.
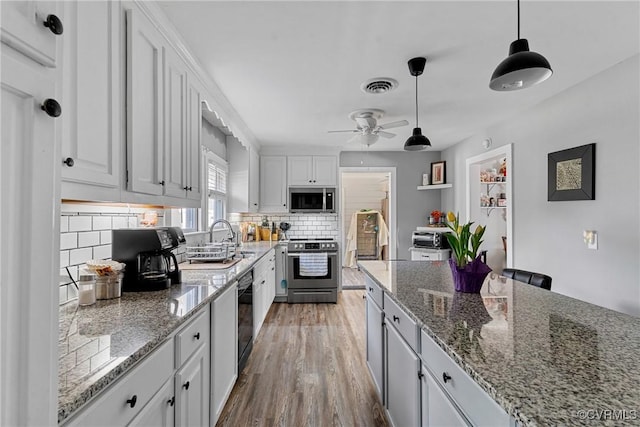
[(590, 239)]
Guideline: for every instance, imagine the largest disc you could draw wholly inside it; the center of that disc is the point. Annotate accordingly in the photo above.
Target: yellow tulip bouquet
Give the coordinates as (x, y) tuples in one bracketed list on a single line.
[(468, 271), (460, 237)]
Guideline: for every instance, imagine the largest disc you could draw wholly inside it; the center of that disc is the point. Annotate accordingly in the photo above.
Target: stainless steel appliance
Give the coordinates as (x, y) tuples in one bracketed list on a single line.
[(245, 318), (145, 253), (309, 200), (311, 279), (430, 239)]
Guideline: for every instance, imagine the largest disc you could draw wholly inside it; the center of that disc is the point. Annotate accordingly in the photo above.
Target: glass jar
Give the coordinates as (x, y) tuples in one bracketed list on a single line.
[(86, 289)]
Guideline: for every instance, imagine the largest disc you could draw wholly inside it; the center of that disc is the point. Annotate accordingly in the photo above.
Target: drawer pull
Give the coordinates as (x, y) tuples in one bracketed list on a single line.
[(68, 161), (186, 385), (370, 289), (171, 401), (364, 296), (396, 319), (54, 24), (197, 336), (132, 401), (446, 377), (51, 107)]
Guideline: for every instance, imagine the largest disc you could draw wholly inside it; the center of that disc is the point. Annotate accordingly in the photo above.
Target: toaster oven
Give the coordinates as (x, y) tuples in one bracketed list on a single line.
[(429, 239)]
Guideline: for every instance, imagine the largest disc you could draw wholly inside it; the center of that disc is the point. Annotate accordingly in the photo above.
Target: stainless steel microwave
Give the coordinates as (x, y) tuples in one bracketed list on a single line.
[(303, 200)]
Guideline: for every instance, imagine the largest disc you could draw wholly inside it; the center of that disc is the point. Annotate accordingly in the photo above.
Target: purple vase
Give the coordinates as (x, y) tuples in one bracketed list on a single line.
[(471, 277)]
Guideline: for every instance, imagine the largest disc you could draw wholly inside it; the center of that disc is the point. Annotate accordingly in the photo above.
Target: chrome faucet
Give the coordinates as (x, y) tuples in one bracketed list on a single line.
[(232, 233)]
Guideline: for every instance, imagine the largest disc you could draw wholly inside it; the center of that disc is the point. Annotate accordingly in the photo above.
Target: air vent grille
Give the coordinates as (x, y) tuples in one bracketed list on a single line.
[(379, 85)]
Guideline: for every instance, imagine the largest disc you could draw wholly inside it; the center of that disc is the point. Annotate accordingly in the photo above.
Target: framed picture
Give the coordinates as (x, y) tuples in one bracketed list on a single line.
[(438, 173), (572, 174)]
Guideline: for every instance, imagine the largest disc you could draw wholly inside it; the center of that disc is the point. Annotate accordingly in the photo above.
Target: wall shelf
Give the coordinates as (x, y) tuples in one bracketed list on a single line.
[(434, 186)]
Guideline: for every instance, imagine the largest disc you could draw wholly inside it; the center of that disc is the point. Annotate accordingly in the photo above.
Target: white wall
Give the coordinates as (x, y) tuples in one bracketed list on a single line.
[(548, 235)]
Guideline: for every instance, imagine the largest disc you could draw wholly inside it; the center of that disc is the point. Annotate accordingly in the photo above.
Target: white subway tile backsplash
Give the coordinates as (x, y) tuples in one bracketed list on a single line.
[(63, 294), (68, 240), (102, 223), (132, 222), (79, 223), (64, 224), (64, 259), (120, 222), (79, 256), (102, 252), (89, 238), (105, 237)]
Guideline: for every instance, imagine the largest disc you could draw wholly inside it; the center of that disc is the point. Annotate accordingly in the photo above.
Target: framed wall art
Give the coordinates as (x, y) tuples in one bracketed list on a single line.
[(438, 173), (572, 174)]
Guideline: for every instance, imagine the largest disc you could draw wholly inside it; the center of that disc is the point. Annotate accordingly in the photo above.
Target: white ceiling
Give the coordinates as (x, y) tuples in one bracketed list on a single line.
[(292, 70)]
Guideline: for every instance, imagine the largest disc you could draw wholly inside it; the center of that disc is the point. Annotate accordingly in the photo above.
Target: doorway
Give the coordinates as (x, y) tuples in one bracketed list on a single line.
[(367, 209), (490, 203)]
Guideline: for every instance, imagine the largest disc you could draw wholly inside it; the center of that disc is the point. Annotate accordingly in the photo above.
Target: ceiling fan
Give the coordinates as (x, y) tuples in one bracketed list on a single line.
[(367, 128)]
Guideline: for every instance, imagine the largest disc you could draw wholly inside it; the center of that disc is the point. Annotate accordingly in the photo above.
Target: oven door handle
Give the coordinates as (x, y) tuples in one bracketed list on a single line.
[(297, 255)]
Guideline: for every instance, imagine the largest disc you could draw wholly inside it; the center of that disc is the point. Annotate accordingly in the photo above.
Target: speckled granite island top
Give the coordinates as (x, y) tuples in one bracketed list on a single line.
[(547, 359), (100, 342)]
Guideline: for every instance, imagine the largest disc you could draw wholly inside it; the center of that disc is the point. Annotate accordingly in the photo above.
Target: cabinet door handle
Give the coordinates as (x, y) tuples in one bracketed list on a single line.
[(370, 289), (190, 188), (446, 377), (51, 107), (54, 24), (197, 336), (161, 183), (171, 401), (68, 161), (420, 375), (396, 319), (132, 401), (185, 188), (364, 296), (186, 385)]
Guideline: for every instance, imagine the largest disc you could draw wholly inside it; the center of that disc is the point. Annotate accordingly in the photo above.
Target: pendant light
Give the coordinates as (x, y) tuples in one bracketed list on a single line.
[(522, 68), (417, 141)]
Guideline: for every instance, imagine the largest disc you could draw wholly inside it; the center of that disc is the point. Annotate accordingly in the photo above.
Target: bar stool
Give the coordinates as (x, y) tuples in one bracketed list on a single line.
[(536, 279)]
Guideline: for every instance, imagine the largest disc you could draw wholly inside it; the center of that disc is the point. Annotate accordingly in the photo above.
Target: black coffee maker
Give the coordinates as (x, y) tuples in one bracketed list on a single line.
[(178, 239), (145, 254)]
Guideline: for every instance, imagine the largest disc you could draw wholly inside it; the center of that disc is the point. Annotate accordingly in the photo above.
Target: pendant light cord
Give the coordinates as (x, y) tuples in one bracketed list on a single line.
[(417, 102), (518, 19)]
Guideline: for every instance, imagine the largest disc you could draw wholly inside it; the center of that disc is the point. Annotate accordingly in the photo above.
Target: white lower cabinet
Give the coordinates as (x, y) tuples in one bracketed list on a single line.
[(159, 412), (375, 349), (224, 349), (403, 382), (437, 409), (123, 401), (192, 390), (263, 289)]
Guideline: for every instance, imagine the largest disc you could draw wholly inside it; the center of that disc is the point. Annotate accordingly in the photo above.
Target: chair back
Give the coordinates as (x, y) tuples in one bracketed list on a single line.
[(536, 279)]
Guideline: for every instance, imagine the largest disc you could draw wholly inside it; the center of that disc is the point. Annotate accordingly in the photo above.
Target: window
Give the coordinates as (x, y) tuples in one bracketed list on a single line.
[(216, 188)]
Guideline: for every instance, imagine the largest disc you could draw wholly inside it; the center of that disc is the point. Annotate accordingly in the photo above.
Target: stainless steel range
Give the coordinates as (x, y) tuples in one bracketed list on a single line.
[(312, 270)]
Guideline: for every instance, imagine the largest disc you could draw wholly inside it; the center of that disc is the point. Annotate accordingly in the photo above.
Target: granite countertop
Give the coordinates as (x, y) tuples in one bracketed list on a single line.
[(100, 342), (546, 358)]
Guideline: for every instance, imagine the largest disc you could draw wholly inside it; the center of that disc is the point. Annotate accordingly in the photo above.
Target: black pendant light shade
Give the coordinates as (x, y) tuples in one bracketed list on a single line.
[(417, 141), (522, 68)]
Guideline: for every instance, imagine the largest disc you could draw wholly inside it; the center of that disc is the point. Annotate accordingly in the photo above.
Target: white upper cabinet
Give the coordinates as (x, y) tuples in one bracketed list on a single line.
[(244, 174), (91, 96), (312, 170), (273, 184), (33, 28), (144, 105), (175, 126), (193, 150)]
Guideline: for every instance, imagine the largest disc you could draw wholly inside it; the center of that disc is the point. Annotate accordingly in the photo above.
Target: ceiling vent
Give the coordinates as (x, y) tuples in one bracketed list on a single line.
[(379, 85)]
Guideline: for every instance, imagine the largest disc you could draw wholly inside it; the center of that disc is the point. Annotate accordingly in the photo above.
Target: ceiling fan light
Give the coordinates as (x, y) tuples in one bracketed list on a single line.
[(521, 69), (417, 141)]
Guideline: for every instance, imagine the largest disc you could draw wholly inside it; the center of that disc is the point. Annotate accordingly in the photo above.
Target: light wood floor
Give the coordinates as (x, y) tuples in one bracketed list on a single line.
[(352, 278), (308, 368)]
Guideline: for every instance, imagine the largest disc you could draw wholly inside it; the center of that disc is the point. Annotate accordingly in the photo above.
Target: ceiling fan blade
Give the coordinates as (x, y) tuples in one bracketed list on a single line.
[(394, 124), (350, 131), (386, 134)]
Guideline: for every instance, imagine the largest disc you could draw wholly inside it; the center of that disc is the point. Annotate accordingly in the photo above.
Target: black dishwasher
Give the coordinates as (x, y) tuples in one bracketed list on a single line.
[(245, 318)]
